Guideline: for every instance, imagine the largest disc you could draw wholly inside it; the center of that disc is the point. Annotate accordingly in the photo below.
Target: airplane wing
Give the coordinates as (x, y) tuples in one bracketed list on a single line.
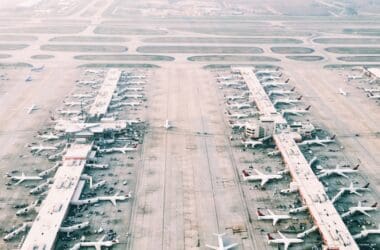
[(365, 213), (264, 180), (113, 200), (212, 247), (19, 182), (275, 220), (281, 235), (231, 246), (342, 174), (98, 247), (286, 245)]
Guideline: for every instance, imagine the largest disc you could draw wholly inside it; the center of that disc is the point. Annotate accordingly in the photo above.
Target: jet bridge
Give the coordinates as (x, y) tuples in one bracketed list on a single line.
[(53, 210)]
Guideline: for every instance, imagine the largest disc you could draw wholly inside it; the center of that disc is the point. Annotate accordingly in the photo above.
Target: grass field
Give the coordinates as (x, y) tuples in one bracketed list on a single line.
[(223, 40), (233, 58), (118, 65), (12, 46), (359, 58), (83, 48), (354, 50), (42, 57), (124, 58), (306, 58), (291, 50), (200, 49), (347, 40), (89, 39)]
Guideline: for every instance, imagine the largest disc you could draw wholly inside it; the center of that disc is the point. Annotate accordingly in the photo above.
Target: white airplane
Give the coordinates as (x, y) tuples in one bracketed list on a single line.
[(136, 96), (237, 125), (373, 90), (134, 89), (49, 137), (98, 245), (269, 78), (283, 240), (275, 83), (28, 79), (297, 112), (94, 71), (131, 104), (365, 232), (231, 83), (373, 96), (46, 172), (238, 115), (235, 97), (354, 77), (337, 171), (239, 105), (83, 82), (71, 104), (70, 112), (23, 178), (317, 141), (342, 92), (113, 199), (37, 69), (360, 209), (298, 209), (224, 78), (123, 150), (267, 72), (271, 216), (17, 231), (136, 76), (132, 122), (167, 125), (253, 143), (281, 92), (32, 108), (28, 209), (40, 188), (134, 83), (97, 166), (264, 178), (40, 148), (287, 101), (221, 245), (351, 189), (73, 228)]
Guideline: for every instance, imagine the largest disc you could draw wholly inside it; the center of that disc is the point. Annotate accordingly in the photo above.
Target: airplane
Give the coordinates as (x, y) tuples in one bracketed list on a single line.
[(269, 78), (37, 69), (32, 108), (23, 178), (136, 76), (231, 83), (40, 148), (134, 89), (239, 105), (235, 97), (221, 245), (271, 216), (361, 209), (317, 141), (46, 172), (373, 90), (287, 101), (123, 150), (275, 84), (372, 96), (113, 199), (267, 72), (365, 232), (97, 166), (297, 112), (28, 209), (73, 228), (281, 92), (98, 185), (49, 137), (134, 83), (283, 240), (237, 125), (95, 244), (71, 104), (87, 82), (167, 125), (298, 209), (137, 96), (264, 178), (40, 188), (224, 78), (238, 115), (351, 189), (354, 77), (131, 122), (28, 79), (342, 92), (70, 112), (17, 231), (253, 143), (131, 104), (93, 71), (337, 171)]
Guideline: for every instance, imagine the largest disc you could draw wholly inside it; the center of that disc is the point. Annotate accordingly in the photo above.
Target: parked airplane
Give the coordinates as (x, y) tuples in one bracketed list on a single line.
[(98, 245), (337, 171), (46, 172), (298, 209), (123, 150), (224, 78), (287, 101), (40, 188), (70, 112), (32, 108), (354, 77), (365, 232), (239, 115), (264, 178), (97, 166), (221, 245), (283, 240), (49, 137), (231, 84), (235, 97), (23, 178), (28, 79), (267, 72), (360, 209), (93, 71), (253, 143), (342, 92), (40, 148), (275, 84), (297, 112), (237, 125), (17, 231), (73, 228), (317, 141), (71, 104), (81, 96), (351, 189), (37, 69), (136, 76), (28, 209), (134, 89), (113, 199), (372, 90), (239, 105), (269, 78), (281, 92), (271, 216)]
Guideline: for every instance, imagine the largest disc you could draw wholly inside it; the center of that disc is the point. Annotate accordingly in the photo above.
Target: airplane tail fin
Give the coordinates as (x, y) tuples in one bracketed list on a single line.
[(245, 173), (259, 213), (356, 168), (299, 98), (366, 185), (374, 205), (332, 137), (308, 107), (269, 236), (293, 89), (287, 80)]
